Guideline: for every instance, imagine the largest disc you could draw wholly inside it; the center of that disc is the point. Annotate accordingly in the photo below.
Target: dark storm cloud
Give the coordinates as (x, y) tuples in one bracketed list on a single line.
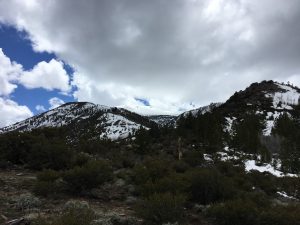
[(168, 52)]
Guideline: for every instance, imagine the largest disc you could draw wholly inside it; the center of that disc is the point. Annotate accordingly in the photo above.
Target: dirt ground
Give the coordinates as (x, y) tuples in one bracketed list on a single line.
[(16, 183)]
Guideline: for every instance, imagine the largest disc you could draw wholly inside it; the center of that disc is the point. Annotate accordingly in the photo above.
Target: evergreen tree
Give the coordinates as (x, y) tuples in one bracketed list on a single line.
[(288, 128), (246, 135)]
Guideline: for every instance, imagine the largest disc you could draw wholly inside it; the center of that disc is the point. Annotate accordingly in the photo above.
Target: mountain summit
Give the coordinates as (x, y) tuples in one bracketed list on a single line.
[(84, 117)]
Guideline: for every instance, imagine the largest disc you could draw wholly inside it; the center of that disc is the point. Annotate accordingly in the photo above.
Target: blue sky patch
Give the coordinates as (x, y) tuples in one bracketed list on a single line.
[(143, 101), (17, 47)]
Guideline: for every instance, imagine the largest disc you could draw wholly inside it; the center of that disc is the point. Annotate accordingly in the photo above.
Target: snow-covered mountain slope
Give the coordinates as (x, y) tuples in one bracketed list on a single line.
[(267, 99), (201, 110), (167, 120), (83, 117), (164, 120), (285, 98)]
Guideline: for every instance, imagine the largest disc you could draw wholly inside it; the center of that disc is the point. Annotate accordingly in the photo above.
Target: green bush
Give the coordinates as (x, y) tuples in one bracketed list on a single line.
[(49, 156), (180, 166), (48, 184), (175, 183), (236, 212), (80, 159), (263, 181), (281, 215), (290, 185), (83, 216), (48, 175), (254, 210), (194, 158), (208, 185), (90, 175), (151, 170), (161, 208)]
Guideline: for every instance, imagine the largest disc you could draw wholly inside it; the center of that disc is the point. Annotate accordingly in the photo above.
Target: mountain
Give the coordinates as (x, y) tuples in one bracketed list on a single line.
[(87, 118), (267, 99)]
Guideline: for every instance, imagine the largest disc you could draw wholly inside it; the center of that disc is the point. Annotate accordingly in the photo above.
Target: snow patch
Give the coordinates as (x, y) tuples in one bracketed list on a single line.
[(229, 123), (270, 122), (285, 195), (117, 127), (251, 165), (201, 110), (285, 99)]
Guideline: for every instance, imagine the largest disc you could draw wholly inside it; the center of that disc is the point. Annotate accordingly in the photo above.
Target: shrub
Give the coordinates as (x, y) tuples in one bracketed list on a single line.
[(88, 176), (27, 202), (71, 216), (237, 212), (49, 156), (48, 183), (175, 183), (194, 158), (151, 170), (180, 166), (80, 159), (264, 181), (161, 208), (281, 215), (48, 175), (290, 185), (208, 185)]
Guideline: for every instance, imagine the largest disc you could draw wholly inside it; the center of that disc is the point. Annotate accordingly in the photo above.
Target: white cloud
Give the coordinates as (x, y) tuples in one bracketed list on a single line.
[(40, 108), (45, 75), (55, 102), (11, 112), (9, 74), (171, 54)]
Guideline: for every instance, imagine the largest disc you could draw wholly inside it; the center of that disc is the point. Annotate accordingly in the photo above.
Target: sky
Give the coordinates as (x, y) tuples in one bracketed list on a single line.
[(151, 57)]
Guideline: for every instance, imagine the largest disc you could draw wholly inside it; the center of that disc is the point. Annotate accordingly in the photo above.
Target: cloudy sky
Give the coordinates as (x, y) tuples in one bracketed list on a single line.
[(152, 57)]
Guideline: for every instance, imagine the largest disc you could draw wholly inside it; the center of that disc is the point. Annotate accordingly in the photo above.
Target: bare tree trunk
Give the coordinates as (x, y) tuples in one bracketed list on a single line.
[(179, 151)]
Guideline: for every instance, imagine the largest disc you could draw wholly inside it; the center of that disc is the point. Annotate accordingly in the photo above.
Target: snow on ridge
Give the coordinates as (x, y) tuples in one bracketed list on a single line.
[(286, 98), (201, 110), (56, 117), (112, 126), (102, 107), (117, 127), (163, 120)]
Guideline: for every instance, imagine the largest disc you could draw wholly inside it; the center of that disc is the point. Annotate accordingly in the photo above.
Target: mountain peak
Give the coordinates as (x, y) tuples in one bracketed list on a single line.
[(84, 117)]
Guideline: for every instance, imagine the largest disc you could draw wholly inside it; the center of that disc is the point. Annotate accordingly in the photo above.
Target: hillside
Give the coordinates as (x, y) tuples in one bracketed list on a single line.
[(232, 163)]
